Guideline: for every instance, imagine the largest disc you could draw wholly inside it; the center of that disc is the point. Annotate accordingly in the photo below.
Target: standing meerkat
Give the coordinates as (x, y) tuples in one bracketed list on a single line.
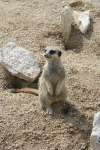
[(52, 81)]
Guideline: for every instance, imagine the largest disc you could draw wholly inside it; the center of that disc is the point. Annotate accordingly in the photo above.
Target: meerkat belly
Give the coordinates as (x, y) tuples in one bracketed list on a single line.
[(54, 79)]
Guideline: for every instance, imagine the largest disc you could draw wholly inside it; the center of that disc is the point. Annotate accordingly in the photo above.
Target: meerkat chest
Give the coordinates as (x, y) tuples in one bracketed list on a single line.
[(54, 78), (55, 74)]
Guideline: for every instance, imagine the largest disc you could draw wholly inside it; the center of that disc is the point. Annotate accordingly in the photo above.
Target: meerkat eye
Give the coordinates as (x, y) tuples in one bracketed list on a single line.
[(59, 53), (52, 52)]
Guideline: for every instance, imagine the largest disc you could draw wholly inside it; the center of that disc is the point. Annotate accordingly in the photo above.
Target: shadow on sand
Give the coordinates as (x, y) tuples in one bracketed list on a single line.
[(71, 115)]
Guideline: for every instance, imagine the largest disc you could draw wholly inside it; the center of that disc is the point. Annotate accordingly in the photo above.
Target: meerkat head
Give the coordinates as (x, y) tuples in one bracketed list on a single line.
[(52, 53)]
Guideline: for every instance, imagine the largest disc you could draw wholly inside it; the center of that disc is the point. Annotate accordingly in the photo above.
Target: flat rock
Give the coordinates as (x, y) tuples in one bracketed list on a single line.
[(19, 62)]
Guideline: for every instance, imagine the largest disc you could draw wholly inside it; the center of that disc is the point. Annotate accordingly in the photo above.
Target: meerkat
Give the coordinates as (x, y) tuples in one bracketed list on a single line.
[(52, 81)]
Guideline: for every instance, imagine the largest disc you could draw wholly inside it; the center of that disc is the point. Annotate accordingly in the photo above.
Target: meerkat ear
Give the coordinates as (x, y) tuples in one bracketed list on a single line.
[(59, 53)]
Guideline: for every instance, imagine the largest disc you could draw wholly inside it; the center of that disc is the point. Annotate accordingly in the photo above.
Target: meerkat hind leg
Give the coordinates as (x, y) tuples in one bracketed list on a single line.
[(42, 104), (49, 110)]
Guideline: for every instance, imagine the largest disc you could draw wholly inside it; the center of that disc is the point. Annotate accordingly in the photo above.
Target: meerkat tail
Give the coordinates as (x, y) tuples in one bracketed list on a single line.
[(26, 90)]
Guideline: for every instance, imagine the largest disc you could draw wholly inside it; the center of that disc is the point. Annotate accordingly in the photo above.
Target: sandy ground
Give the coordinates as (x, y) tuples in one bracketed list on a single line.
[(35, 24)]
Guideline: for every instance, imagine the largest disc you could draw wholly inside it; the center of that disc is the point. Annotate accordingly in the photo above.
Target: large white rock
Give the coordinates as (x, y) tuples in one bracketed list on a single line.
[(69, 17), (19, 62), (95, 135)]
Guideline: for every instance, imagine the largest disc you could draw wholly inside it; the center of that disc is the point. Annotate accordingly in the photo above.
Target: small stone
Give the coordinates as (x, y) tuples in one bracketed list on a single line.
[(95, 135)]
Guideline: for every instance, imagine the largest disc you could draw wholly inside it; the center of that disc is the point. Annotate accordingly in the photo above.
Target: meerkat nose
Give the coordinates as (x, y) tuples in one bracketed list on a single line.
[(46, 55)]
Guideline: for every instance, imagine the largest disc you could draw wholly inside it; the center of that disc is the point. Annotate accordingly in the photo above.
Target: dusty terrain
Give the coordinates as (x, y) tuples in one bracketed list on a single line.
[(35, 24)]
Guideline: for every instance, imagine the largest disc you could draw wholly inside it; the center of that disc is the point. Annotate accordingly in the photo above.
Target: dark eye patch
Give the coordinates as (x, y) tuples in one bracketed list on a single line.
[(59, 53), (52, 52)]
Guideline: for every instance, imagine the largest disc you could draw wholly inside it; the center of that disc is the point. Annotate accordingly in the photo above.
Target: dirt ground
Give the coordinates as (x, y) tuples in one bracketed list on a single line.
[(35, 24)]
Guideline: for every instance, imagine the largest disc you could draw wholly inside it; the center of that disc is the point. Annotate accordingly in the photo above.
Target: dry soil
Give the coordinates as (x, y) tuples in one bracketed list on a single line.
[(35, 24)]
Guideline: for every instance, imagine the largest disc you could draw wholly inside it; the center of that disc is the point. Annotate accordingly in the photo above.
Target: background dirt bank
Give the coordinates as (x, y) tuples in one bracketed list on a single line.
[(35, 24)]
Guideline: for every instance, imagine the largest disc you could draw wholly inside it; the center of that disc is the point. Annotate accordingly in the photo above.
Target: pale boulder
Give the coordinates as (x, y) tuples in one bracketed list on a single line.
[(19, 62)]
